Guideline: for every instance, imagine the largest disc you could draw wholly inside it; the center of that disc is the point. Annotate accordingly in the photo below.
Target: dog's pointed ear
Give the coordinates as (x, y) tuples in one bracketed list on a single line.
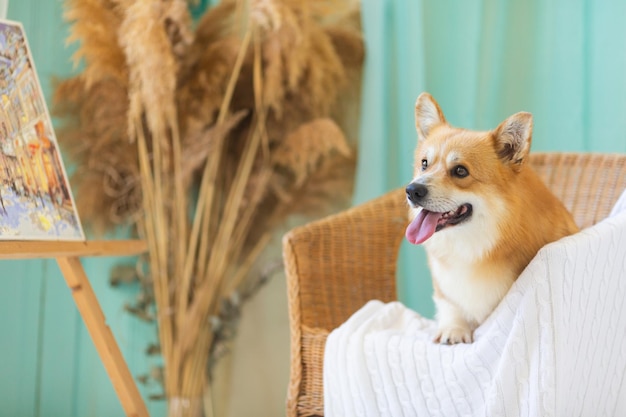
[(513, 138), (428, 114)]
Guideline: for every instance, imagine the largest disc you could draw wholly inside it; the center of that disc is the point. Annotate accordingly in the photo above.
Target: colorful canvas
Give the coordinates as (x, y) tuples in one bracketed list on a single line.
[(36, 202)]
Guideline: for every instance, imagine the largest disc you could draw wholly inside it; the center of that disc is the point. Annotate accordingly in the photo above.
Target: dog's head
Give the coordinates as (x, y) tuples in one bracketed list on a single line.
[(461, 176)]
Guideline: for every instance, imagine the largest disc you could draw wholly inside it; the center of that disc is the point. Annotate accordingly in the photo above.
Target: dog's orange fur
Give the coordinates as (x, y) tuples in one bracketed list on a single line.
[(474, 263)]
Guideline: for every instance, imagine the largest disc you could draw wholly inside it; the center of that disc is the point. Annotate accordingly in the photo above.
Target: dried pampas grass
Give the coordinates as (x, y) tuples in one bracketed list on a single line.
[(207, 140), (95, 134), (98, 22)]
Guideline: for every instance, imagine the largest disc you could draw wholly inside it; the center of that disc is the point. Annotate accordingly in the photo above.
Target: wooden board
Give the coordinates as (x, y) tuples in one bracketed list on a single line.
[(18, 249)]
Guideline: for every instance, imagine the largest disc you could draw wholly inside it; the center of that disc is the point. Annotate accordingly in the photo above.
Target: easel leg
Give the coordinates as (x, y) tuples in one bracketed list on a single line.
[(109, 352)]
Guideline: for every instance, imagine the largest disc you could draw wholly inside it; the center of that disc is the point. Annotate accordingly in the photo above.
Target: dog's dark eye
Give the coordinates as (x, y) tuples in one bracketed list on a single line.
[(460, 171), (424, 164)]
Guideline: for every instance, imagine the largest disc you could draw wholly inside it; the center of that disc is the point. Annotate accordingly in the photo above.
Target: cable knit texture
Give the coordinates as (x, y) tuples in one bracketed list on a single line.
[(555, 346)]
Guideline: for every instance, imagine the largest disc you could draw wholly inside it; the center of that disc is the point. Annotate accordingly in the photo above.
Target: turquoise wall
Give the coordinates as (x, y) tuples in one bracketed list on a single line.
[(483, 60), (48, 364)]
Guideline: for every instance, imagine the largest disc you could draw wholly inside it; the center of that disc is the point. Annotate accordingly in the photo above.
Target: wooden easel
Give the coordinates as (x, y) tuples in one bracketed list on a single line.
[(68, 255)]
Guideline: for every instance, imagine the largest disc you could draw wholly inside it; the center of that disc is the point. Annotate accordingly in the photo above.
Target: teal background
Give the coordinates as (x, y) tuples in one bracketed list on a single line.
[(483, 60), (562, 60)]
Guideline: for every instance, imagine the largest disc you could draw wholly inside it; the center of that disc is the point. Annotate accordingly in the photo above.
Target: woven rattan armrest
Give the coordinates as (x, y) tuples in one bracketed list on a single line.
[(333, 267)]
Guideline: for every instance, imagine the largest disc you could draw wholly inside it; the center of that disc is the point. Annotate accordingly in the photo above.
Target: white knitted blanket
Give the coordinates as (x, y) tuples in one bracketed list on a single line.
[(555, 346)]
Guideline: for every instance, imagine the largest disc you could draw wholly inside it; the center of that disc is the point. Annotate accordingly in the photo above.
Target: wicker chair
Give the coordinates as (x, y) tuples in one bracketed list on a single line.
[(337, 264)]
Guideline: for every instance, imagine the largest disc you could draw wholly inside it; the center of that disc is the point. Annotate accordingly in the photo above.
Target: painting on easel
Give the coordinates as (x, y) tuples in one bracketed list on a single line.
[(36, 201)]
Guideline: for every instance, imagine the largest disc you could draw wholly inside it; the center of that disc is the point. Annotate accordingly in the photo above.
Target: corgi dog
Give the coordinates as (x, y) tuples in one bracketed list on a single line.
[(481, 213)]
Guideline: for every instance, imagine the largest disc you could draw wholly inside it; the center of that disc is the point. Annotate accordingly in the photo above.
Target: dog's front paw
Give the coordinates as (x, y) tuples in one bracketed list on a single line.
[(453, 335)]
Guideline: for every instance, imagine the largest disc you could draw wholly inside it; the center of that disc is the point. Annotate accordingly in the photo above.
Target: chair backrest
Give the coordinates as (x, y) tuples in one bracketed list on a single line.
[(588, 184)]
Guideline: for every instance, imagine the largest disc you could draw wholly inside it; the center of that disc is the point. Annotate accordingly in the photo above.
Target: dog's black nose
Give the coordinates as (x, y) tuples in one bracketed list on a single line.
[(415, 192)]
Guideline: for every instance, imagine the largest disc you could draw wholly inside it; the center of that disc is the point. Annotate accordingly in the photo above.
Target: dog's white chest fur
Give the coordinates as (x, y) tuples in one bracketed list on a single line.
[(475, 292)]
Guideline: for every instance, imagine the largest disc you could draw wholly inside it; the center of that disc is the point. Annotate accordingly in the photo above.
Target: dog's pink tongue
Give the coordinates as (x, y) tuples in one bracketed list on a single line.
[(422, 227)]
